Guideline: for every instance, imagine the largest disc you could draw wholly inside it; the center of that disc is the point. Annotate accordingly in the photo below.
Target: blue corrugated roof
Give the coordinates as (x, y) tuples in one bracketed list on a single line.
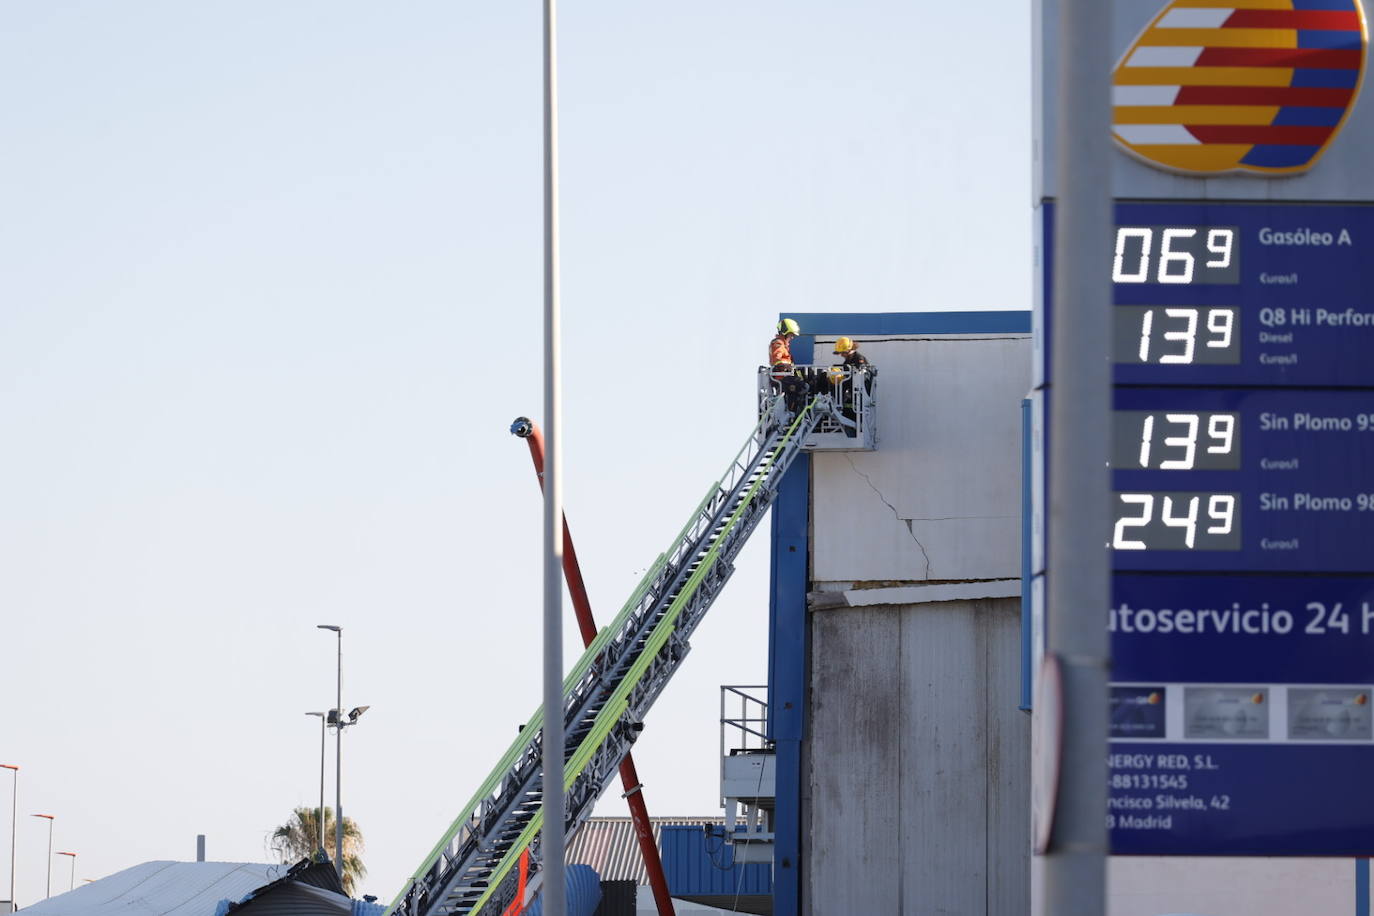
[(697, 865), (583, 894)]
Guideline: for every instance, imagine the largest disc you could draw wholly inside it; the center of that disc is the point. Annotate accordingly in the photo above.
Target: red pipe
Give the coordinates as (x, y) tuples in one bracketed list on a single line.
[(629, 777)]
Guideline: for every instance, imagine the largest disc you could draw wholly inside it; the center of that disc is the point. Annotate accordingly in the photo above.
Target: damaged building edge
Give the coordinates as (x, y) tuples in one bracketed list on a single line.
[(833, 595)]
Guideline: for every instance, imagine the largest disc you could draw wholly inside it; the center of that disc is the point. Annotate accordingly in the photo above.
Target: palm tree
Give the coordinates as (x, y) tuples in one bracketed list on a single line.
[(299, 839)]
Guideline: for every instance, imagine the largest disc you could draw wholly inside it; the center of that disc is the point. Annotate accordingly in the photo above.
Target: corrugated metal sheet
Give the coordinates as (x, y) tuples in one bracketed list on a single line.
[(608, 845), (310, 887), (296, 899), (165, 888), (583, 894), (696, 866)]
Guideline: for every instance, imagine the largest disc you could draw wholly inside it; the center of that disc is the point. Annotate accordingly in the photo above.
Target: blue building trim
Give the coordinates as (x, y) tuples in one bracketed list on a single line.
[(878, 323), (1361, 887), (787, 627), (1026, 509), (787, 654)]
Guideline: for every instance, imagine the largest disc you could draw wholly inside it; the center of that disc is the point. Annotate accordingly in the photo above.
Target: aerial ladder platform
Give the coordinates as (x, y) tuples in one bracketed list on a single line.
[(488, 856)]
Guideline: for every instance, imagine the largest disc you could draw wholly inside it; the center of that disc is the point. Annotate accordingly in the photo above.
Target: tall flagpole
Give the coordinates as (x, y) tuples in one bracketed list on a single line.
[(554, 903)]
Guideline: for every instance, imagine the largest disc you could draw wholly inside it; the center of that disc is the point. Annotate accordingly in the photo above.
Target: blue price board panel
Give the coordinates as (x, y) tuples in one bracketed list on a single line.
[(1236, 294), (1242, 629), (1243, 479), (1229, 693), (1233, 799), (1242, 455)]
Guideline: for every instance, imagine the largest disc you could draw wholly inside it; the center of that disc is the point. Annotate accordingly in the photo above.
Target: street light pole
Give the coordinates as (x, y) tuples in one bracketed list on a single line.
[(319, 821), (338, 754), (14, 810), (554, 893), (50, 818), (72, 883)]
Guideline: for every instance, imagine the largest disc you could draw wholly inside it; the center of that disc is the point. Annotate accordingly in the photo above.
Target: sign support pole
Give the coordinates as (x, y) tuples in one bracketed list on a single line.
[(1078, 524)]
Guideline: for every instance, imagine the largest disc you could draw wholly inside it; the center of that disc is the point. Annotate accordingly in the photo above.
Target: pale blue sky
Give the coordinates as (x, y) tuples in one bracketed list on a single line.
[(270, 297)]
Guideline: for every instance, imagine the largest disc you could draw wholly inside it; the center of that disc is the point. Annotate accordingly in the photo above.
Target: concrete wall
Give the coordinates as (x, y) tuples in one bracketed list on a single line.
[(916, 759), (941, 497)]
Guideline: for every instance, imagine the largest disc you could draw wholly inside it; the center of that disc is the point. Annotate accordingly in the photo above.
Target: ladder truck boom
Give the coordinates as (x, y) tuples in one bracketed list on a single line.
[(608, 692)]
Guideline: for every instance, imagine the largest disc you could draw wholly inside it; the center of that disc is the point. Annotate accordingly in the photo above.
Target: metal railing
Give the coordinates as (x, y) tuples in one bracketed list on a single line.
[(750, 730), (846, 403)]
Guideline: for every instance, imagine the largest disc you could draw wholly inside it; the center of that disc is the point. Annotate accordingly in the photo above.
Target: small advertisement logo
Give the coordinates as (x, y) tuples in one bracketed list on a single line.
[(1137, 712), (1260, 86)]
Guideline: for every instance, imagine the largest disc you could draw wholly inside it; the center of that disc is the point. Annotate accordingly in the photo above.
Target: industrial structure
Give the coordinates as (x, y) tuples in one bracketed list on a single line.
[(895, 673)]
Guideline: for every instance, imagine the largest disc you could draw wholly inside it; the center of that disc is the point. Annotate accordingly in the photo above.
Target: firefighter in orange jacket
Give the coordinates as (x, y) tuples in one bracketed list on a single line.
[(780, 347), (780, 361)]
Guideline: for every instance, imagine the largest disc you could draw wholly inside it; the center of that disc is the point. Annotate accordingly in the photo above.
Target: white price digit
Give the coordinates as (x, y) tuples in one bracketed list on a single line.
[(1146, 502), (1187, 442), (1187, 522), (1142, 268), (1168, 256), (1146, 323), (1220, 242), (1147, 433), (1220, 322), (1221, 508), (1188, 335), (1222, 428)]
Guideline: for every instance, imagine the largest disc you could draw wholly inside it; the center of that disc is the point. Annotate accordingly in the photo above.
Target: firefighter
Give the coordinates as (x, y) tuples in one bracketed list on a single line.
[(854, 362), (780, 347), (853, 359), (780, 363)]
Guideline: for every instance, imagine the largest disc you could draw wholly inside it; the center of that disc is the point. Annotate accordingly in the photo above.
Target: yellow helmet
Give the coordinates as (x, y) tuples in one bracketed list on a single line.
[(788, 326), (844, 345)]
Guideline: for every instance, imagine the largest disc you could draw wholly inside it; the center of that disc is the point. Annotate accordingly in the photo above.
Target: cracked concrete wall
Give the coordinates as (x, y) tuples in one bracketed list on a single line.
[(941, 497)]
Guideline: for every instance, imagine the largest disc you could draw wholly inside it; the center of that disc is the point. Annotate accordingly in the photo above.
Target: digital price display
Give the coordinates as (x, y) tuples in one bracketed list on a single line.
[(1169, 521), (1235, 294), (1177, 255), (1171, 440), (1243, 479), (1152, 335)]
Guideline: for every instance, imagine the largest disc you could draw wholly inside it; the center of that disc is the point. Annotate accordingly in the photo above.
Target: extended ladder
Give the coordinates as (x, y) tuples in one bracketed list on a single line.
[(608, 692)]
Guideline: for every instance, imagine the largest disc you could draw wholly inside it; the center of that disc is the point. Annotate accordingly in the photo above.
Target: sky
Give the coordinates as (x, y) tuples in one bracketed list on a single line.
[(271, 296)]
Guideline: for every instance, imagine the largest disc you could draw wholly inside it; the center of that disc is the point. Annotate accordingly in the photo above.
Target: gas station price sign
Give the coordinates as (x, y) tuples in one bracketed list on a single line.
[(1242, 533), (1241, 435), (1236, 293)]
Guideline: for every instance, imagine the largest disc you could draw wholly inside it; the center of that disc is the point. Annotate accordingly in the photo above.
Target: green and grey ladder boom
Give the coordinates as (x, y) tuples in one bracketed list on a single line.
[(609, 691)]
